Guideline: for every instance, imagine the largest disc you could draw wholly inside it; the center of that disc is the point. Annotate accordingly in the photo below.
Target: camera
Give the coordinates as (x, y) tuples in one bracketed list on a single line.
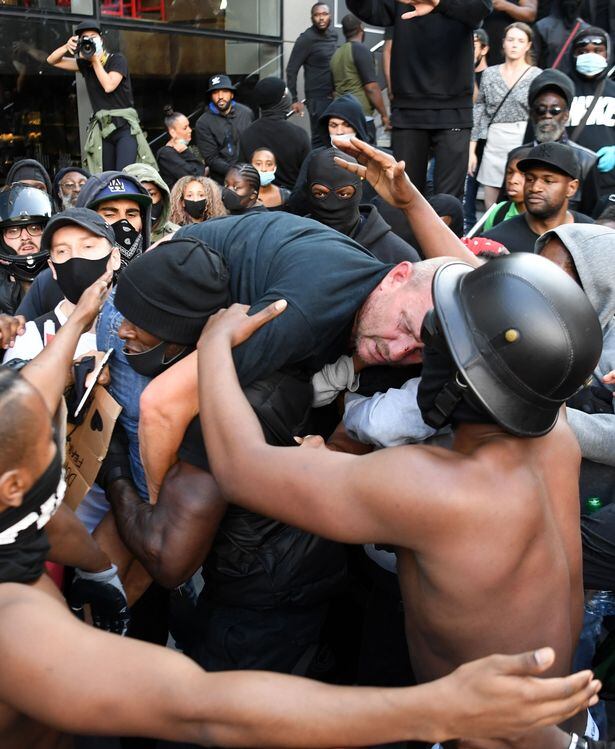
[(86, 47)]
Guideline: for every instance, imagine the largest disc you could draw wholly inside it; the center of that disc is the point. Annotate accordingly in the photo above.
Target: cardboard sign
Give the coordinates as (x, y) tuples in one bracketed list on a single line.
[(87, 445)]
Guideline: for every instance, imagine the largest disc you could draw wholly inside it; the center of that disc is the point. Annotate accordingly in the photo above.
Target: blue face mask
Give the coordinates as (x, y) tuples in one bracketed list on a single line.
[(266, 177), (590, 64)]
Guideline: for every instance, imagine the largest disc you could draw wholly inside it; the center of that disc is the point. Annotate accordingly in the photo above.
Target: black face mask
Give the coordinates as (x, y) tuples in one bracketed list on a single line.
[(23, 541), (339, 213), (152, 362), (232, 201), (195, 208), (156, 211), (76, 274), (128, 239), (443, 397)]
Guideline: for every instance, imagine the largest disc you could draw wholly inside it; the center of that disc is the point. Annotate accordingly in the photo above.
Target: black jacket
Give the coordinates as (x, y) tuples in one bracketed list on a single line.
[(314, 50), (217, 138), (174, 165), (289, 144), (42, 296), (432, 65), (376, 235), (11, 294)]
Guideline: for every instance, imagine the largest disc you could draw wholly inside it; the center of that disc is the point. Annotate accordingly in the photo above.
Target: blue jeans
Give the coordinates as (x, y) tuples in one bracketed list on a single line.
[(126, 385)]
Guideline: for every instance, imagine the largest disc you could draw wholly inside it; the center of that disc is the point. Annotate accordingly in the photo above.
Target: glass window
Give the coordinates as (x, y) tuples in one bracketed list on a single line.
[(83, 7), (174, 69), (38, 103), (260, 17)]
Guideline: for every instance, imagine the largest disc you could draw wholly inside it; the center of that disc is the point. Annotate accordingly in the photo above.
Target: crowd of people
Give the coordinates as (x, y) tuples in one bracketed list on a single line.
[(310, 443)]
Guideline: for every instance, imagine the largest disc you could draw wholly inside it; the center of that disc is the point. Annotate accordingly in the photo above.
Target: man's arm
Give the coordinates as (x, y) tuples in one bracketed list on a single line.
[(391, 182), (525, 11), (171, 538), (146, 690), (59, 59), (48, 371), (338, 496), (210, 151), (72, 545), (299, 54)]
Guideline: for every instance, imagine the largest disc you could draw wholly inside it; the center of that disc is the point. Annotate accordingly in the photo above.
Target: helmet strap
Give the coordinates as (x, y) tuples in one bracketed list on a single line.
[(446, 402)]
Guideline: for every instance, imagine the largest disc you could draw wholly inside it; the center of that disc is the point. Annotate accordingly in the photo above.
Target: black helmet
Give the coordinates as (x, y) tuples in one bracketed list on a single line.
[(22, 204), (522, 334)]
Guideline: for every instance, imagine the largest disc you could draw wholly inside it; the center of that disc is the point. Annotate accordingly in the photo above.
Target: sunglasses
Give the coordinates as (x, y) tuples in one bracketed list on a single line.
[(542, 109), (596, 40), (13, 232)]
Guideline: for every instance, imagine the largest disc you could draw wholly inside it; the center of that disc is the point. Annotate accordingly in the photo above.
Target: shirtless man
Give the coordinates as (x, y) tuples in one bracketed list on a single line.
[(48, 655), (487, 535)]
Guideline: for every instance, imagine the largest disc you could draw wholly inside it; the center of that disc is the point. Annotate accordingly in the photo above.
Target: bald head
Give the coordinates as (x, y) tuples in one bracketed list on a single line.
[(22, 425)]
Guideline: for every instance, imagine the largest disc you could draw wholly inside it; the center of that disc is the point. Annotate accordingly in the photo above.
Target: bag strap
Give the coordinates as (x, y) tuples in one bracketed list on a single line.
[(581, 126), (564, 49), (508, 93)]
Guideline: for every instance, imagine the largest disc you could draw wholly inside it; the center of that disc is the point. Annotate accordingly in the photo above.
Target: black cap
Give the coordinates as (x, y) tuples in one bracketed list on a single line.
[(219, 82), (558, 155), (552, 80), (588, 33), (88, 26), (482, 36), (269, 91), (84, 217), (172, 290)]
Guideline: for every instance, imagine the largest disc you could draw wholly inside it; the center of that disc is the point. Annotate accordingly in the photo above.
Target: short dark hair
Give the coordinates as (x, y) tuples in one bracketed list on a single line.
[(18, 426), (351, 25), (317, 5), (249, 173)]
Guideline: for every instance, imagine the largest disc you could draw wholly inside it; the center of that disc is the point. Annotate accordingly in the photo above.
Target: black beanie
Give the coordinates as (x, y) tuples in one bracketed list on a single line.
[(173, 289), (269, 91)]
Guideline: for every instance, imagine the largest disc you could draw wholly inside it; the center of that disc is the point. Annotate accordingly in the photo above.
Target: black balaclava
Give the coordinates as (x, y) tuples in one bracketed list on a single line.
[(23, 541), (341, 214), (443, 397)]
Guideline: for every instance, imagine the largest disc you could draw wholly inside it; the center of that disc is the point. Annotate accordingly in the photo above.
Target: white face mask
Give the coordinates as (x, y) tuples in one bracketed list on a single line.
[(590, 64), (344, 138)]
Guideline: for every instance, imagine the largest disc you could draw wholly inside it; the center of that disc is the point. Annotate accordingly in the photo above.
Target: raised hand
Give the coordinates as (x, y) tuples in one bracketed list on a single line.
[(236, 325), (421, 8), (386, 175), (92, 300)]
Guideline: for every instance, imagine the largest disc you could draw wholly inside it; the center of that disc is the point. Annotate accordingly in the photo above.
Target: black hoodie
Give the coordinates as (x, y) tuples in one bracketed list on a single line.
[(13, 175), (432, 64), (376, 235)]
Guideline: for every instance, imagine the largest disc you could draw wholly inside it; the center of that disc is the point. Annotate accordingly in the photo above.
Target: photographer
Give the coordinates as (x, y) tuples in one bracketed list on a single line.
[(115, 123)]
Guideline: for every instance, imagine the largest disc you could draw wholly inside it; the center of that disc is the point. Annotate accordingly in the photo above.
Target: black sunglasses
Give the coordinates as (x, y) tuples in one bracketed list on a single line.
[(542, 109)]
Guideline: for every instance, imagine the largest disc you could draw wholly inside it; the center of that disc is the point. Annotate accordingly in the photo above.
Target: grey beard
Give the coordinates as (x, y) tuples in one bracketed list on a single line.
[(550, 134), (68, 201)]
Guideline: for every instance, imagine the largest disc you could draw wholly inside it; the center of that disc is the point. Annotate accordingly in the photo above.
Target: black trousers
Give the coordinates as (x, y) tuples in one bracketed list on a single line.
[(119, 149), (450, 149), (315, 108)]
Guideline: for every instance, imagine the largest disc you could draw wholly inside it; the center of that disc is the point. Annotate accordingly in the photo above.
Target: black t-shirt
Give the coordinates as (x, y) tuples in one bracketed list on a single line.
[(324, 276), (516, 235), (121, 97), (362, 58), (289, 144), (495, 24)]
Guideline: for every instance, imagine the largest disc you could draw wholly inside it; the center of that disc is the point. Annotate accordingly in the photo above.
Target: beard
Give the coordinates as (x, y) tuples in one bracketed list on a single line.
[(548, 131)]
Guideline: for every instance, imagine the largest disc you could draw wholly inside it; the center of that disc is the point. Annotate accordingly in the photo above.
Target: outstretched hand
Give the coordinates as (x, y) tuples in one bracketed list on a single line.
[(503, 695), (92, 300), (235, 325), (10, 328), (421, 8), (386, 175)]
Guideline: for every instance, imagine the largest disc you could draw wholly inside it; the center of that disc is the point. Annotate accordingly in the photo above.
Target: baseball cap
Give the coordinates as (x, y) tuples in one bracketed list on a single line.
[(218, 82), (120, 188), (551, 80), (558, 155), (84, 217)]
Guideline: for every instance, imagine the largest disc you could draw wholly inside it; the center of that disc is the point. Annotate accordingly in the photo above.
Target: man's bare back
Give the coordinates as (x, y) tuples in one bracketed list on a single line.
[(505, 572)]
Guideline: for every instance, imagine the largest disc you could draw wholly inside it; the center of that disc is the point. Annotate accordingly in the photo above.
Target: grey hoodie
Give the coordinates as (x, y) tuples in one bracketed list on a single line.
[(593, 250)]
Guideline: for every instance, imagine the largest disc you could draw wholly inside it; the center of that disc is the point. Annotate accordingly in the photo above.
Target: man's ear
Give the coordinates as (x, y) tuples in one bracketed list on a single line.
[(397, 276), (115, 261), (53, 270), (12, 488), (573, 186)]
